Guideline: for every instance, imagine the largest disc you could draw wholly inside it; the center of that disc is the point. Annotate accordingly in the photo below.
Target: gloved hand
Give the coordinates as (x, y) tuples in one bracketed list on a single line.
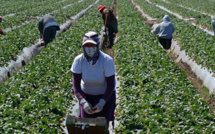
[(99, 106), (86, 106)]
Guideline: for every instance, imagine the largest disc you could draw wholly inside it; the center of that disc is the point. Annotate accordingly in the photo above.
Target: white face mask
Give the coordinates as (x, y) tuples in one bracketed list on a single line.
[(90, 51)]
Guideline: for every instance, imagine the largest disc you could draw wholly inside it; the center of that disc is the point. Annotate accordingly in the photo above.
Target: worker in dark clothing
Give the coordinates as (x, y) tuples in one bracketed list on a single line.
[(1, 32), (213, 24), (110, 23), (164, 31), (48, 28)]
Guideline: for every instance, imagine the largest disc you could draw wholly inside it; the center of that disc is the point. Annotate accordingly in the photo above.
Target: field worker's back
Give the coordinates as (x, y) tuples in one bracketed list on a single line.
[(165, 29)]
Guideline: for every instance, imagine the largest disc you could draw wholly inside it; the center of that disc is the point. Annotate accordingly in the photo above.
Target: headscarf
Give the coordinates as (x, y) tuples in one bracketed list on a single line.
[(91, 37), (166, 18)]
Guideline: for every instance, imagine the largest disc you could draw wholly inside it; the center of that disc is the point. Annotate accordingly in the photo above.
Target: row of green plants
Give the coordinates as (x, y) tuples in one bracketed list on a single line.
[(14, 41), (13, 6), (200, 19), (29, 14), (204, 6), (155, 96), (197, 44), (37, 96)]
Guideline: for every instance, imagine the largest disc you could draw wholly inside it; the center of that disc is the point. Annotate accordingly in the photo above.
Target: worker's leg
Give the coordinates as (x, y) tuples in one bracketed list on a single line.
[(53, 32), (110, 36), (166, 43), (47, 35), (161, 41)]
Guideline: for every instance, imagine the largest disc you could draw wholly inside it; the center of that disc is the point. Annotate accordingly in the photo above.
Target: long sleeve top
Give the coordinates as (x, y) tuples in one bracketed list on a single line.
[(165, 29), (80, 94), (97, 79), (109, 19), (46, 21)]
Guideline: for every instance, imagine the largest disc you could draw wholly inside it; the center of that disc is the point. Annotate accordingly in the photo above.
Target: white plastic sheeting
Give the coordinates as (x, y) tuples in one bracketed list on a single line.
[(66, 25), (3, 73), (141, 11), (204, 74), (68, 6), (15, 27), (13, 67), (9, 15)]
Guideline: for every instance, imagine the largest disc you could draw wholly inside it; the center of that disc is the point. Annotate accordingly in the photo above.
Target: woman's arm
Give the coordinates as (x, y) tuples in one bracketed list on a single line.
[(110, 87), (77, 86)]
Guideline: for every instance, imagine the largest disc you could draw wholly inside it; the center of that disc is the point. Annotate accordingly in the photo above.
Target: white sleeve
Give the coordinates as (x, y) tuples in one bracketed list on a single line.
[(109, 68), (76, 66)]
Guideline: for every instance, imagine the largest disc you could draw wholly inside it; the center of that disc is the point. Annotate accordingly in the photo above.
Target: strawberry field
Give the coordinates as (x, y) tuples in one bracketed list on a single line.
[(154, 96)]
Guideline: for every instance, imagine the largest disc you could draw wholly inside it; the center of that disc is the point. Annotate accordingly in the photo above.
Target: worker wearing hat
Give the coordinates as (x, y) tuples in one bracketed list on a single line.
[(48, 27), (1, 32), (165, 31), (110, 23), (94, 80)]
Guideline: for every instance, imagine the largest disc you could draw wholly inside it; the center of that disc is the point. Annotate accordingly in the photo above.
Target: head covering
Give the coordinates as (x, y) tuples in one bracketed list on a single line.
[(166, 18), (91, 37), (101, 7), (0, 19)]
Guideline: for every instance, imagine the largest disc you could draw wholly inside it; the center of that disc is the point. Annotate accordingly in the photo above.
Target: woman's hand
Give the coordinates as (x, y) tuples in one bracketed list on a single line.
[(99, 106), (86, 106)]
